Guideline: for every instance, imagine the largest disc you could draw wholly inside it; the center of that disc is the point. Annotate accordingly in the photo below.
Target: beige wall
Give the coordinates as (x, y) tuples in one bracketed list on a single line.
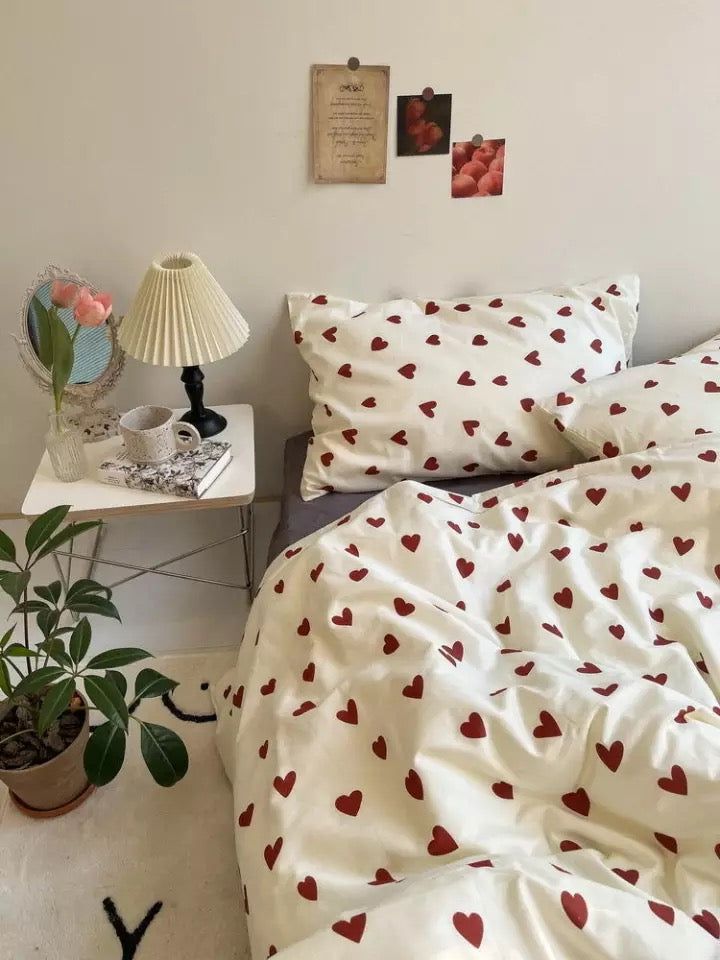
[(136, 127)]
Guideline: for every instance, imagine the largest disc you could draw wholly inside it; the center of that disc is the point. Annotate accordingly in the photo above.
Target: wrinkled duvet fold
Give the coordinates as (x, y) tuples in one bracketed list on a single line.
[(488, 726)]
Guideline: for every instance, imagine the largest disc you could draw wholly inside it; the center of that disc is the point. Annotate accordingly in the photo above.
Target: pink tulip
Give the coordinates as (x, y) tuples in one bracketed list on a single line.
[(92, 310), (64, 294)]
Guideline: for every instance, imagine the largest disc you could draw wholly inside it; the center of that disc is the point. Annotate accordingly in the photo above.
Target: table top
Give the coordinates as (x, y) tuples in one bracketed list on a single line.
[(89, 498)]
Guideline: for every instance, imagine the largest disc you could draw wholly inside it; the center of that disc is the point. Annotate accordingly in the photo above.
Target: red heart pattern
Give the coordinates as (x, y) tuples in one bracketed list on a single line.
[(380, 709), (518, 335)]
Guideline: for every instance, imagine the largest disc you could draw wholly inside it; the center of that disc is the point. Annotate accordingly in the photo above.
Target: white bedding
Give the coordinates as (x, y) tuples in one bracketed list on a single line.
[(489, 730)]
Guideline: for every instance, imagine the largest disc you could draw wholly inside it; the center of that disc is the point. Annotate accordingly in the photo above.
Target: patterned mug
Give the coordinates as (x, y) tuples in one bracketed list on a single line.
[(152, 434)]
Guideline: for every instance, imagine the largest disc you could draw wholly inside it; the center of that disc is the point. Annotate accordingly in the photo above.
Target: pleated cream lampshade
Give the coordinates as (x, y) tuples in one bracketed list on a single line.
[(181, 316)]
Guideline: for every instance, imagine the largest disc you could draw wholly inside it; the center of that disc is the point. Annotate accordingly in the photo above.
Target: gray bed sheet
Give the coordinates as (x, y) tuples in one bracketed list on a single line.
[(298, 517)]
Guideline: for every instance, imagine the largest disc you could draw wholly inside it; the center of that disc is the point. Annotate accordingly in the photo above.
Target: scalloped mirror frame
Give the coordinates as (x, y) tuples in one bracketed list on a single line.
[(83, 395)]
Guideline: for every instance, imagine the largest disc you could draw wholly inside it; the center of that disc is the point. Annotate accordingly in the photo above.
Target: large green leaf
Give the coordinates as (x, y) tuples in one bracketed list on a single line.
[(80, 641), (38, 679), (119, 680), (44, 336), (150, 683), (164, 753), (73, 529), (81, 587), (55, 649), (91, 603), (47, 621), (5, 639), (104, 754), (117, 657), (30, 606), (43, 527), (5, 684), (7, 548), (63, 356), (51, 592), (14, 584), (54, 702), (19, 650), (107, 698)]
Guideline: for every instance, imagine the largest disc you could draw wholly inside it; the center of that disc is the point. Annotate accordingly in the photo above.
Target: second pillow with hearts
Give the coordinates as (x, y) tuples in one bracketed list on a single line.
[(431, 389)]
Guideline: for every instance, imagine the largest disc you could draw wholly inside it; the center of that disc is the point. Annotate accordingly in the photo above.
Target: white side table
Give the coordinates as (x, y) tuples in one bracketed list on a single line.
[(90, 499)]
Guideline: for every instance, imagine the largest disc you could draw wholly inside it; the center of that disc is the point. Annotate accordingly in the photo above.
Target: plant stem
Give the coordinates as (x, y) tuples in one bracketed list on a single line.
[(18, 733), (26, 629), (17, 669)]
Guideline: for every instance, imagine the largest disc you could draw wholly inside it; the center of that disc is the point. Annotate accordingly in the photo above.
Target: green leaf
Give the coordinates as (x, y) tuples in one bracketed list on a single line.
[(117, 657), (30, 606), (51, 593), (5, 684), (80, 641), (47, 621), (90, 603), (63, 356), (43, 527), (6, 637), (14, 584), (150, 683), (37, 680), (55, 702), (44, 336), (164, 753), (119, 680), (106, 697), (73, 529), (7, 548), (81, 587), (19, 650), (104, 754)]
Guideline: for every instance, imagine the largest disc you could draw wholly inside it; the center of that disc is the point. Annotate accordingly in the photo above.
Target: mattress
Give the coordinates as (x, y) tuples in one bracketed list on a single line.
[(299, 518)]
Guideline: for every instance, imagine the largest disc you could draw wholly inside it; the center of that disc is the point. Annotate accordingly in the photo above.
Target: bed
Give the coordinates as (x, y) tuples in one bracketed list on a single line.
[(488, 725)]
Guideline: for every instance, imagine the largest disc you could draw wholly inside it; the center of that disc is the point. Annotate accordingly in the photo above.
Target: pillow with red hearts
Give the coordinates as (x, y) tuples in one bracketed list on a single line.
[(654, 405), (447, 388)]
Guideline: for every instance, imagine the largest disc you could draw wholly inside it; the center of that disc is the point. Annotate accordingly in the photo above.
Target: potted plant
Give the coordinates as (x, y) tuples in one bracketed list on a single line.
[(49, 753)]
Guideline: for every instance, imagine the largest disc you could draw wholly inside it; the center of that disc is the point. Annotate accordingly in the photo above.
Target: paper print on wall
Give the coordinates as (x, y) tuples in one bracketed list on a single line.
[(478, 171), (423, 125), (350, 123)]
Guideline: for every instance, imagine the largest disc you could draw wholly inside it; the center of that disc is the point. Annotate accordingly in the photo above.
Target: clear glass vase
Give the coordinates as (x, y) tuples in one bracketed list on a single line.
[(65, 448)]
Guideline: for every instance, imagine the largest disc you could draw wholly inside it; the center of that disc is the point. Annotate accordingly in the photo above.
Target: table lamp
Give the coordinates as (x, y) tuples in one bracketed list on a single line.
[(181, 317)]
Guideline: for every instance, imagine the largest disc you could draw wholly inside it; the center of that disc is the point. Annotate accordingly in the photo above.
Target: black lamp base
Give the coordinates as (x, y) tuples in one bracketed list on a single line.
[(207, 422)]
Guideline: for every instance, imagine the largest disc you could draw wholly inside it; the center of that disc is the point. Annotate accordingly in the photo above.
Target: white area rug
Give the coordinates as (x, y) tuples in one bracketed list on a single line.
[(137, 872)]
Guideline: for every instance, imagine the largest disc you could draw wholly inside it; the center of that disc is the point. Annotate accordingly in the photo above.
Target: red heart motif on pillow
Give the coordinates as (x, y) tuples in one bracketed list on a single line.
[(377, 343), (564, 598), (503, 790), (352, 929), (709, 456), (504, 628), (465, 380), (708, 922), (267, 688), (558, 335), (368, 402), (349, 803), (315, 572), (471, 467), (676, 782), (598, 303), (304, 708), (479, 340), (712, 387), (683, 546), (414, 690), (663, 911), (470, 426), (616, 408), (611, 591), (527, 403), (345, 370), (393, 319), (372, 471), (524, 669), (614, 290), (670, 843), (298, 337), (588, 667), (617, 630), (575, 908), (349, 713), (579, 375), (565, 311), (343, 619), (379, 748), (390, 644), (464, 567), (560, 552), (568, 846), (411, 541), (329, 334), (307, 888), (497, 302), (577, 801), (611, 756), (515, 540), (245, 818), (501, 381), (534, 358), (462, 307), (272, 852), (563, 399), (279, 586), (503, 440), (473, 728), (431, 464), (681, 491), (709, 360), (327, 458), (431, 307), (407, 371), (596, 495), (669, 408), (402, 607), (284, 785), (413, 785), (442, 843), (238, 697), (597, 346), (321, 299), (530, 456), (548, 726), (381, 876), (606, 691), (517, 322), (399, 438), (433, 340), (357, 575), (470, 927), (629, 876), (350, 435)]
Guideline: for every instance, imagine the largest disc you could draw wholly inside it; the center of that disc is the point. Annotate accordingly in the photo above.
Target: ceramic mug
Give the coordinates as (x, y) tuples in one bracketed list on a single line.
[(152, 434)]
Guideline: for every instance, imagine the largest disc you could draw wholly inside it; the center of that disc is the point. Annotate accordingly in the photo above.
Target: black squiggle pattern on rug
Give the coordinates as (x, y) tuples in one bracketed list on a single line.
[(188, 717), (129, 939)]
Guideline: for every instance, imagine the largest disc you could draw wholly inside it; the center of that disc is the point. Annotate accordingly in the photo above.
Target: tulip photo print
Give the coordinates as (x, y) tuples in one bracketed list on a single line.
[(423, 125), (478, 171)]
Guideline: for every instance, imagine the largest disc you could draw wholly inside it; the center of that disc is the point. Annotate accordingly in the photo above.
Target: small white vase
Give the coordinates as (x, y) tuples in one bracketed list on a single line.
[(65, 449)]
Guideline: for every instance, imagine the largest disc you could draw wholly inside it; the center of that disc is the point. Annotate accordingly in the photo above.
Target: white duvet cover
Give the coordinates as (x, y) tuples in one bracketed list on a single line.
[(488, 727)]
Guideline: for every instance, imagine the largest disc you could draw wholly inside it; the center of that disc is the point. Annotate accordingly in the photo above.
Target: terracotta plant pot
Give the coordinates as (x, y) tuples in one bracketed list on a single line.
[(56, 782)]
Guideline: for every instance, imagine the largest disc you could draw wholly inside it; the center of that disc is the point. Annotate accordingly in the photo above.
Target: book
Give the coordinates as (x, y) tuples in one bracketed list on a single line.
[(187, 474)]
